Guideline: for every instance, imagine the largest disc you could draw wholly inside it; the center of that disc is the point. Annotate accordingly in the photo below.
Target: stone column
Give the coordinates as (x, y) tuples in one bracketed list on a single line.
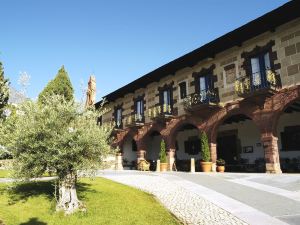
[(213, 154), (141, 151), (270, 145), (171, 158), (119, 161), (193, 170)]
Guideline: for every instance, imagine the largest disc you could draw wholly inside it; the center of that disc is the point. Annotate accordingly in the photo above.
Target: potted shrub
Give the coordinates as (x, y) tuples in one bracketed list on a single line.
[(163, 157), (205, 163), (221, 165)]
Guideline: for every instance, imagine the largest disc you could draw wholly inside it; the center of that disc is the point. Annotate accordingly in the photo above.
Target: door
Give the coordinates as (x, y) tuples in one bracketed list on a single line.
[(227, 149)]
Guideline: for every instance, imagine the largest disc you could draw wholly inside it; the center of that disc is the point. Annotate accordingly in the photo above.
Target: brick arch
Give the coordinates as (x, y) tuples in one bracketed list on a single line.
[(217, 120), (128, 133), (281, 102), (144, 132), (172, 128)]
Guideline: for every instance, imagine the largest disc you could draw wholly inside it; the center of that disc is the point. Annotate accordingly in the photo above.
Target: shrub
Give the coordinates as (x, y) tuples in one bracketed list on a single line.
[(162, 153), (204, 147)]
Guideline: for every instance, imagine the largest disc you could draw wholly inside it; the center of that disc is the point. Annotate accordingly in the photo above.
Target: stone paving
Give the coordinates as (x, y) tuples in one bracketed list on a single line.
[(187, 206)]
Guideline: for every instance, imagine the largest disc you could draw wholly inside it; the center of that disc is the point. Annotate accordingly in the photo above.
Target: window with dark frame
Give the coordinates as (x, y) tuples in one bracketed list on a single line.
[(118, 117), (183, 90), (290, 138), (260, 63), (139, 110)]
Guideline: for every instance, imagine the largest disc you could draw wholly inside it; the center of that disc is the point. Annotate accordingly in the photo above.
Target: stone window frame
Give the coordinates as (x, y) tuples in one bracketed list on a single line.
[(204, 72), (134, 107), (237, 75), (160, 94), (120, 106), (187, 89), (257, 50)]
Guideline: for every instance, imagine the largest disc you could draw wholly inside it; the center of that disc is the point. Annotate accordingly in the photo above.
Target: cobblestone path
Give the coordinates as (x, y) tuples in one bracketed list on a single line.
[(188, 207)]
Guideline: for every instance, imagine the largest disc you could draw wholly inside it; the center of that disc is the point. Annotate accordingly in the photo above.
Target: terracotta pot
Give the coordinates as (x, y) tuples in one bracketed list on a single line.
[(206, 166), (221, 169), (163, 167)]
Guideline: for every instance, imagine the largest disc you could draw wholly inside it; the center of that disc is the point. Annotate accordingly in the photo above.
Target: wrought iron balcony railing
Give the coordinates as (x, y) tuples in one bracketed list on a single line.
[(206, 97), (246, 85), (161, 111), (134, 120)]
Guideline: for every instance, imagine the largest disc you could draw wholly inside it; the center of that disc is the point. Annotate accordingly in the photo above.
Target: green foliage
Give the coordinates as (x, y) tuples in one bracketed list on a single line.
[(220, 162), (204, 147), (57, 136), (60, 85), (32, 203), (4, 91), (162, 153)]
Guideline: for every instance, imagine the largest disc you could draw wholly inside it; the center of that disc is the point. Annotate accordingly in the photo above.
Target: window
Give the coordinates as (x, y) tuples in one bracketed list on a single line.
[(118, 117), (139, 109), (183, 90), (100, 121), (290, 138), (204, 87), (166, 97), (192, 146), (259, 65)]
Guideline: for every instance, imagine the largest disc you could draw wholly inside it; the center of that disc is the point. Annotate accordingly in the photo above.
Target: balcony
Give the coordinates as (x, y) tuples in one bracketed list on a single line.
[(257, 85), (206, 99), (135, 120), (161, 112)]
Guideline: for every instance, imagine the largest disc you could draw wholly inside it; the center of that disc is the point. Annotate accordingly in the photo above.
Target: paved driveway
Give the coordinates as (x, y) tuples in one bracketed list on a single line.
[(250, 198)]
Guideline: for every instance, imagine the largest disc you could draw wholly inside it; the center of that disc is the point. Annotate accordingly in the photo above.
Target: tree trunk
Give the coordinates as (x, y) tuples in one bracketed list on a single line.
[(68, 201)]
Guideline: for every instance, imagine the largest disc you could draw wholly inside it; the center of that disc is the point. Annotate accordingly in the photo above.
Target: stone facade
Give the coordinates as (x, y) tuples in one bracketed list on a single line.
[(282, 44)]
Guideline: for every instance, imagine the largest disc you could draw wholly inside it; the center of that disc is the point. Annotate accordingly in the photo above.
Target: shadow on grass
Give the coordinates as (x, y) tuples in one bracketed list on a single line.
[(33, 221), (21, 192)]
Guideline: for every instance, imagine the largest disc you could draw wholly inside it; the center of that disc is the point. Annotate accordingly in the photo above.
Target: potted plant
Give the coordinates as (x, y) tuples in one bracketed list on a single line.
[(163, 157), (205, 163), (221, 165)]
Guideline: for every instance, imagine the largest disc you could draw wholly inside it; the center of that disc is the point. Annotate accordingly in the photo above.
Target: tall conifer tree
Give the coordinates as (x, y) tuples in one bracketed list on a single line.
[(60, 85), (4, 90)]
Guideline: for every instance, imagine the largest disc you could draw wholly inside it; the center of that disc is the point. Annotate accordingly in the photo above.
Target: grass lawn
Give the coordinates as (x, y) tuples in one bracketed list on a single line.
[(8, 174), (5, 173), (107, 203)]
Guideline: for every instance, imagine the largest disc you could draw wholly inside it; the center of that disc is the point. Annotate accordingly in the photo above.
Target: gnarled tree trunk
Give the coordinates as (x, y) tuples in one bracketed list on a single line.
[(68, 201)]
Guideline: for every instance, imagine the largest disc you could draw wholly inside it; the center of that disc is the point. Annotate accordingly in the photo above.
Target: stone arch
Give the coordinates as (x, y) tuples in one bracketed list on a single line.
[(281, 102), (175, 125), (225, 113), (144, 132)]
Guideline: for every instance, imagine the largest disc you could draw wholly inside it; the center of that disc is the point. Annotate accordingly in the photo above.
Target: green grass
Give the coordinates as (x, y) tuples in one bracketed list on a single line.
[(8, 174), (5, 173), (107, 203)]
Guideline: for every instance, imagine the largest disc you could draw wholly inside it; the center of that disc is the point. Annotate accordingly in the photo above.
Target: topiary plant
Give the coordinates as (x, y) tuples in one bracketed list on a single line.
[(162, 153), (204, 147)]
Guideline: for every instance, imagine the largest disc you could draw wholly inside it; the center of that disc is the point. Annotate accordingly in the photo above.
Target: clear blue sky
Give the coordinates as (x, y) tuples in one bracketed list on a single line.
[(118, 41)]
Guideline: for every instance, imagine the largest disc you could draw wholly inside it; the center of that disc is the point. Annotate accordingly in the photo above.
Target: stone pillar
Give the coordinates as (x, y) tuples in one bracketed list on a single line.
[(193, 165), (119, 161), (213, 154), (158, 166), (270, 145), (141, 150), (140, 155), (171, 158)]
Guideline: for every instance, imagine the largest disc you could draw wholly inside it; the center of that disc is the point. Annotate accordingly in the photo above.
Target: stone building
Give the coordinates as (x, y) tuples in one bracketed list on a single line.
[(242, 89)]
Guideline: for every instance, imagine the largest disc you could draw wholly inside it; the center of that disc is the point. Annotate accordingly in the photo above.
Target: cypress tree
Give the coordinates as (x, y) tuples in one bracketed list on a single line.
[(4, 90), (60, 85)]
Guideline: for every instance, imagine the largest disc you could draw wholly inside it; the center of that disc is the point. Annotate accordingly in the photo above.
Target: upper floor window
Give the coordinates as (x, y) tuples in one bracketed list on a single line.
[(118, 117), (139, 109), (166, 97), (205, 86), (260, 64), (183, 90)]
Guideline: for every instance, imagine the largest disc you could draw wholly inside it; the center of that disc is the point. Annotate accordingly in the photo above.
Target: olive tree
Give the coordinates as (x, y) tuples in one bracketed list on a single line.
[(58, 136)]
